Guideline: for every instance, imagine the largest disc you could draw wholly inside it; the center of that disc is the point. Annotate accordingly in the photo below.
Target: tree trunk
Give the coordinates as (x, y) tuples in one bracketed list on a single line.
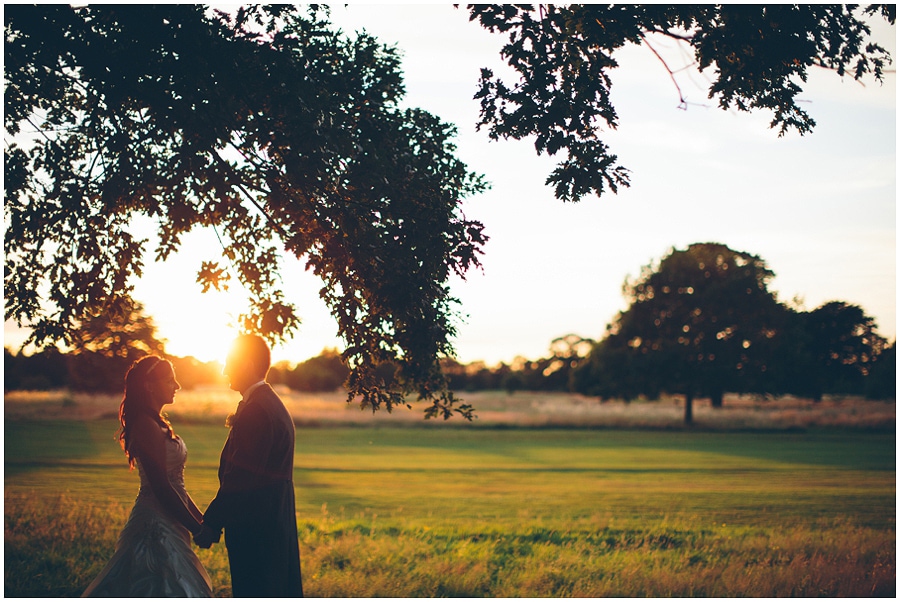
[(716, 399), (688, 408)]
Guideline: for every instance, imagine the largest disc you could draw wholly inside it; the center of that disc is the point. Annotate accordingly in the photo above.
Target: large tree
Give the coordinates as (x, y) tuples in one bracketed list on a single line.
[(283, 135), (758, 57), (265, 125), (700, 323)]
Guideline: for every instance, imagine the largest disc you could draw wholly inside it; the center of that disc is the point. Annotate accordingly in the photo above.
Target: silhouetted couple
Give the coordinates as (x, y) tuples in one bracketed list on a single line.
[(254, 504)]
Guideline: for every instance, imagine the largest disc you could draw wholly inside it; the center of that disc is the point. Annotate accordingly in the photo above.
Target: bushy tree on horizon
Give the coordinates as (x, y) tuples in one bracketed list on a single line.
[(43, 370), (881, 381), (835, 350), (702, 322), (699, 323), (324, 372)]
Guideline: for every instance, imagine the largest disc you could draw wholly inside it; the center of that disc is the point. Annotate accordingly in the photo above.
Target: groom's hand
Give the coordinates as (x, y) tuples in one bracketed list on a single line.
[(207, 537)]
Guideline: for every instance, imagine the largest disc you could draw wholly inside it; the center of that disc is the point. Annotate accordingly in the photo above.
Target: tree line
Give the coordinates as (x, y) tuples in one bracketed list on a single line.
[(700, 323)]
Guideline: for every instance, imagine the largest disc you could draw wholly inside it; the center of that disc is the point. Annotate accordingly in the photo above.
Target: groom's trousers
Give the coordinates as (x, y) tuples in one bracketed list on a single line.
[(263, 553)]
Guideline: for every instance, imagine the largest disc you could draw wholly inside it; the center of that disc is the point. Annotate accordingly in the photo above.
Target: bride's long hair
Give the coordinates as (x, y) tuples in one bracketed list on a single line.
[(136, 401)]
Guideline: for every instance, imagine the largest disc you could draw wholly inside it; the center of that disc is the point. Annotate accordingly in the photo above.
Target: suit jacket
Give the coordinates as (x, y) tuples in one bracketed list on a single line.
[(255, 501)]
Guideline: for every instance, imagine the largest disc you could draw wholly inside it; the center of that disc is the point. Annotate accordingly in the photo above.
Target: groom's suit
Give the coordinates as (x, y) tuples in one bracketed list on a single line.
[(255, 501)]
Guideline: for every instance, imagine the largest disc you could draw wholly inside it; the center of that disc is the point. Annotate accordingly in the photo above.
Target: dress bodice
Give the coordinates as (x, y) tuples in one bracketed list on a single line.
[(176, 456)]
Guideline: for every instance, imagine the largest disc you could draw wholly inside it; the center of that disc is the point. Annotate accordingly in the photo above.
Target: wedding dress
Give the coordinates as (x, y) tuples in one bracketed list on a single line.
[(153, 556)]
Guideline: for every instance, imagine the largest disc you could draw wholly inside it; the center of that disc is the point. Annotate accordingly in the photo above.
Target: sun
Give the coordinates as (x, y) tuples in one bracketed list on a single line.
[(200, 325), (189, 321), (203, 325)]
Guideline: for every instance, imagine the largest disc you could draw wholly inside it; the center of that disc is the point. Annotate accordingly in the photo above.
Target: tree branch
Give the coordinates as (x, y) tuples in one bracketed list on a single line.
[(39, 130), (672, 34), (222, 162), (682, 102)]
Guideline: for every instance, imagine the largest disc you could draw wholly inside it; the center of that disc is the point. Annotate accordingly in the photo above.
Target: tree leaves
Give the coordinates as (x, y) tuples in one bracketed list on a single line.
[(563, 54), (267, 125), (701, 321)]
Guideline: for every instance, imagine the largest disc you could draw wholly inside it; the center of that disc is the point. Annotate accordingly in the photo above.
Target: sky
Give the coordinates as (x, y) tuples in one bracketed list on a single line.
[(819, 209)]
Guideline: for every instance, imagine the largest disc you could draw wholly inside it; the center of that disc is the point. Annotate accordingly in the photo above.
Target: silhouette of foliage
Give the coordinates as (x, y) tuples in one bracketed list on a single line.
[(564, 56), (614, 371), (266, 125), (107, 343), (567, 353), (838, 348), (881, 381), (325, 372), (44, 370), (700, 323)]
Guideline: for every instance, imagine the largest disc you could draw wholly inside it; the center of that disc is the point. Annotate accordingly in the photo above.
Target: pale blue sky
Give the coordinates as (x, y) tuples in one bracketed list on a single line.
[(820, 209)]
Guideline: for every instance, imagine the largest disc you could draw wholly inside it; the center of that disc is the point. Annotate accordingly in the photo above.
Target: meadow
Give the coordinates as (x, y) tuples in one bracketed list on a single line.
[(496, 509)]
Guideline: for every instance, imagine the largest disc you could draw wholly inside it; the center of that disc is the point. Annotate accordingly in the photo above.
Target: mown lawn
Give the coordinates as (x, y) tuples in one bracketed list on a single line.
[(514, 512)]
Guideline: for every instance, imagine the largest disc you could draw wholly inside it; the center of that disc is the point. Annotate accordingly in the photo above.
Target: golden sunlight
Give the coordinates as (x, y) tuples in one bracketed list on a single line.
[(206, 337), (197, 324), (190, 322)]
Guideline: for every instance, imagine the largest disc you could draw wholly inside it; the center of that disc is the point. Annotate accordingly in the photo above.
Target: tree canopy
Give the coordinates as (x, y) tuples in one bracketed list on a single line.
[(834, 347), (702, 322), (265, 125), (564, 56), (284, 135)]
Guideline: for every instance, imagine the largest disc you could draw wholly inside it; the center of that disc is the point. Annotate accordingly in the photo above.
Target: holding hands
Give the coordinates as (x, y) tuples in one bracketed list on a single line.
[(207, 537)]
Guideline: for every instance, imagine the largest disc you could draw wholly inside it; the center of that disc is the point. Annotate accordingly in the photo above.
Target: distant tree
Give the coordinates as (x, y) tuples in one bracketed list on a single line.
[(12, 370), (455, 373), (43, 370), (511, 381), (192, 373), (700, 323), (615, 370), (106, 344), (566, 354), (532, 374), (480, 377), (838, 350), (278, 372), (789, 358), (325, 372), (881, 381), (564, 56), (267, 126)]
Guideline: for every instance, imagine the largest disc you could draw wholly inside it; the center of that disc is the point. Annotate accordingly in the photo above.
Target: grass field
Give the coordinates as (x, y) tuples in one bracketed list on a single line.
[(503, 512)]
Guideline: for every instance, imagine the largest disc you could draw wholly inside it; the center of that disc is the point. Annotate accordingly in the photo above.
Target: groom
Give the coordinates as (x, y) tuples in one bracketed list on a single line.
[(255, 501)]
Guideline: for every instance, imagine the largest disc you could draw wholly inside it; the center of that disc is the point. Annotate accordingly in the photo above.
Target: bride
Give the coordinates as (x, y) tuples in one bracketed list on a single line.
[(153, 556)]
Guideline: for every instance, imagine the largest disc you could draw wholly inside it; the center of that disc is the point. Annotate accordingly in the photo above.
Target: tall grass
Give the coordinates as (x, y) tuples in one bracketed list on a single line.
[(400, 512), (56, 547)]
